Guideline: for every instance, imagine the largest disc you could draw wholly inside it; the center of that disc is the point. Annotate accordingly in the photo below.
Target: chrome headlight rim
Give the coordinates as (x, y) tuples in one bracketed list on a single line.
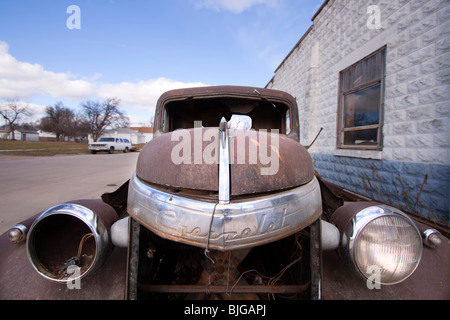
[(358, 224), (84, 215)]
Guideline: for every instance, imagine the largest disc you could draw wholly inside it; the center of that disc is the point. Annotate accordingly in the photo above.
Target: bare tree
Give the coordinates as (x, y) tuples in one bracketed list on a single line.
[(81, 127), (102, 115), (13, 111), (59, 120)]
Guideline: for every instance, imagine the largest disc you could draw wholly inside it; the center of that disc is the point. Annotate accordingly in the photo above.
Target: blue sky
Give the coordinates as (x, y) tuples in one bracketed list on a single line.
[(137, 49)]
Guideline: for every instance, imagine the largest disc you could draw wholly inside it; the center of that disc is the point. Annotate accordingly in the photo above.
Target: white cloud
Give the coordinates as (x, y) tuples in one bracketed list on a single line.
[(143, 94), (23, 79), (235, 6), (140, 97), (139, 121), (36, 111)]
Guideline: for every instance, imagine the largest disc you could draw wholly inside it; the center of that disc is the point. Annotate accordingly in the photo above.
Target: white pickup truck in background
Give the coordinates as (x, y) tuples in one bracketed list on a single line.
[(111, 144)]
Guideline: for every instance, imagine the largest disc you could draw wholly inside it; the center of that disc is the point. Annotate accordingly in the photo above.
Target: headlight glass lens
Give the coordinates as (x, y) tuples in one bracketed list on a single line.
[(391, 245)]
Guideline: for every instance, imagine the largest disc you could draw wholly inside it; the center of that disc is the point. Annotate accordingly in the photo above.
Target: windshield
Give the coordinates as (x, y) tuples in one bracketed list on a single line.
[(106, 140), (263, 114)]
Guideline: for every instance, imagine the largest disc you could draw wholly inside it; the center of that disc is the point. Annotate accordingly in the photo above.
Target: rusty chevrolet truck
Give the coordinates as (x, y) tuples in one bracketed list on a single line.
[(225, 203)]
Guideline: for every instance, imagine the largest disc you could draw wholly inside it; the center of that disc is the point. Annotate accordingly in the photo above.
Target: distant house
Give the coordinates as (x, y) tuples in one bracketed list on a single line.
[(20, 134), (375, 76), (51, 137), (124, 133), (47, 136), (27, 135), (146, 131), (4, 134)]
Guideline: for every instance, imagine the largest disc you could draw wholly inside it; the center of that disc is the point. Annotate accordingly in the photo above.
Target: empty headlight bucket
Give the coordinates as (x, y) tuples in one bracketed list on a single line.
[(79, 229), (383, 240)]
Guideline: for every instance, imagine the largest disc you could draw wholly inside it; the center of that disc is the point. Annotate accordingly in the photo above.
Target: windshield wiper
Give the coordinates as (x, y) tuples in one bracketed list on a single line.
[(264, 98)]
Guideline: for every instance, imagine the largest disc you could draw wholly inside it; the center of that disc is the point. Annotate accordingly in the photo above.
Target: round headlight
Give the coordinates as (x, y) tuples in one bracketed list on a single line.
[(383, 240)]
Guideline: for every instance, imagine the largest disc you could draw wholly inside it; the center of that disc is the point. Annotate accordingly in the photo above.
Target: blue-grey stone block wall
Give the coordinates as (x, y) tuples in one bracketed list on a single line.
[(418, 188)]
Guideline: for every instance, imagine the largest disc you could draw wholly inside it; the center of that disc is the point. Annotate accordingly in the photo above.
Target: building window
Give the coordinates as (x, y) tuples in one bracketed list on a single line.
[(361, 88)]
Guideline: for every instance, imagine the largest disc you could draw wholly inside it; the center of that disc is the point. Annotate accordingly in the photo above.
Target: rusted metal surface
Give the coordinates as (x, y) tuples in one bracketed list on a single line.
[(154, 165), (117, 199), (294, 164), (291, 163)]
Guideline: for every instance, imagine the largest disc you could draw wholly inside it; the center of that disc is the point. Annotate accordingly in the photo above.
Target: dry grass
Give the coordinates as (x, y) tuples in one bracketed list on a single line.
[(30, 148)]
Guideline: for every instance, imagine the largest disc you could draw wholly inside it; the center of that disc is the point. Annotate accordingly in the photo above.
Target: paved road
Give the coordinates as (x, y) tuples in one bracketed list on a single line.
[(30, 185)]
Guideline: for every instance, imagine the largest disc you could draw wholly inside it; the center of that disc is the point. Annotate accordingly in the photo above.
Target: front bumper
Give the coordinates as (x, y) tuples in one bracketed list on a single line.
[(239, 224), (98, 147)]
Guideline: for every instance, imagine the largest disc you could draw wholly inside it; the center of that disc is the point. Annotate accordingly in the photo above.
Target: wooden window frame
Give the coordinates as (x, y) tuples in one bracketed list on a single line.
[(342, 130)]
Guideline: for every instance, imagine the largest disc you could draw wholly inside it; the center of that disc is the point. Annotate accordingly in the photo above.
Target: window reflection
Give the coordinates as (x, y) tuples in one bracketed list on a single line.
[(361, 137), (362, 107)]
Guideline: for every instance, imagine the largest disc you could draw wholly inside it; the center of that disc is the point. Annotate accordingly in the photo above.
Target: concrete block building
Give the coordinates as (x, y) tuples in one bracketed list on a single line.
[(375, 75)]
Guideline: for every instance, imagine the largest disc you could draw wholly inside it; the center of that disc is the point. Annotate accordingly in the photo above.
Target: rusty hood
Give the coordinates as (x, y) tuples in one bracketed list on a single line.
[(260, 161)]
